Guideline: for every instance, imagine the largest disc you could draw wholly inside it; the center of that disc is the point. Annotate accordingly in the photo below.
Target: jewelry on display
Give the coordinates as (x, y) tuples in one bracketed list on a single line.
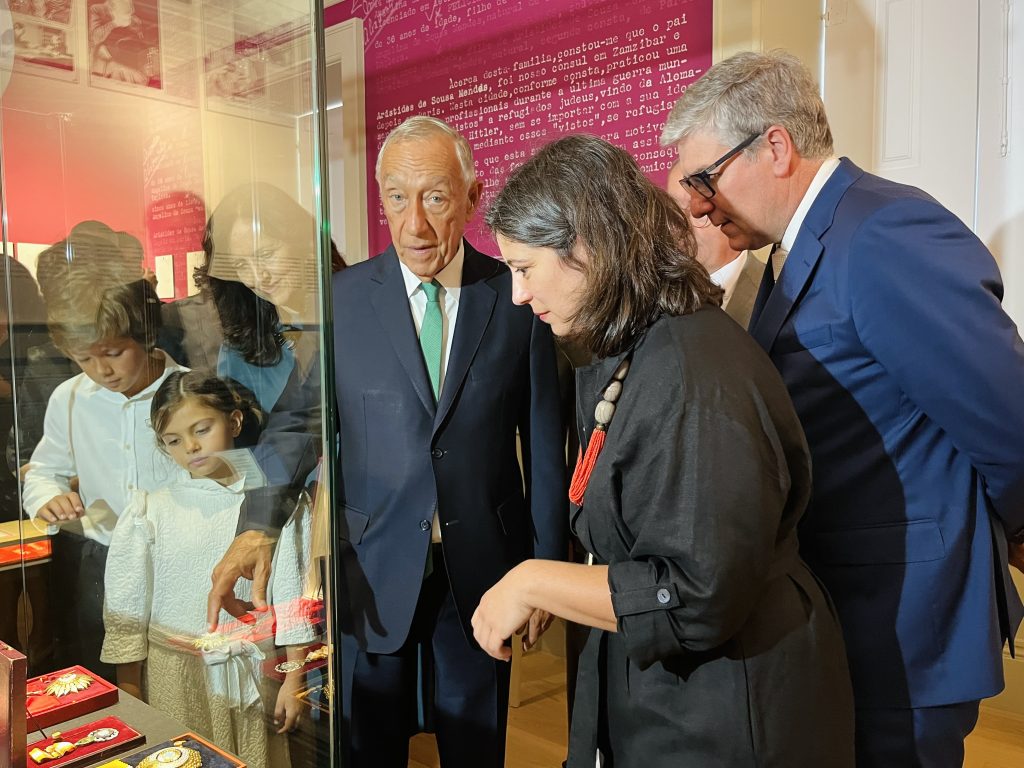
[(53, 752), (327, 690), (60, 748), (602, 416), (69, 682), (178, 756), (213, 641), (314, 655), (100, 734)]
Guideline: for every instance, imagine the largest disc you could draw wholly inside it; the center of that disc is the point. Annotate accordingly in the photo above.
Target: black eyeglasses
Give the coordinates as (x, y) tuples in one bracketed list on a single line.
[(700, 182)]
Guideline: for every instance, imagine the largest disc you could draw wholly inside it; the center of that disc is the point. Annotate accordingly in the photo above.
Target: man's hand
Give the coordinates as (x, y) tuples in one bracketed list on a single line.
[(66, 506), (248, 557), (1017, 556)]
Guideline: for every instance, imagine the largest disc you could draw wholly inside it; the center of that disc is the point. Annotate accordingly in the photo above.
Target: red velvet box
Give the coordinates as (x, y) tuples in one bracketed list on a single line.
[(45, 709), (88, 753)]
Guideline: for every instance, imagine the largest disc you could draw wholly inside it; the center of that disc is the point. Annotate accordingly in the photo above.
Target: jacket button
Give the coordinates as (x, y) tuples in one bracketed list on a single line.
[(663, 596), (424, 525), (437, 453)]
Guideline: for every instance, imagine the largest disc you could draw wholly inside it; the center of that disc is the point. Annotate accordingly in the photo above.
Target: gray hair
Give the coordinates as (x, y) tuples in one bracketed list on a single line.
[(748, 92), (425, 127)]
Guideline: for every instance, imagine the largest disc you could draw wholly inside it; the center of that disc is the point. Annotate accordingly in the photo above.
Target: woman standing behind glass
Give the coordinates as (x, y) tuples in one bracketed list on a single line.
[(713, 643), (262, 273)]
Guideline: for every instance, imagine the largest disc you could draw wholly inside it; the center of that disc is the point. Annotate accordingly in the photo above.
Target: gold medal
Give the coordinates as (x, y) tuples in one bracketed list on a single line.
[(315, 655), (69, 682), (178, 756), (100, 734)]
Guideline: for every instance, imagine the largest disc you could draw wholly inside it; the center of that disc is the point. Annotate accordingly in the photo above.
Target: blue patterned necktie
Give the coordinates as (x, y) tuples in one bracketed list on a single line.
[(430, 335)]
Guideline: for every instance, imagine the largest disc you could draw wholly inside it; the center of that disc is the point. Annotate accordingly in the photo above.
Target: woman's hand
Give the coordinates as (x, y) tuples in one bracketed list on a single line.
[(502, 611)]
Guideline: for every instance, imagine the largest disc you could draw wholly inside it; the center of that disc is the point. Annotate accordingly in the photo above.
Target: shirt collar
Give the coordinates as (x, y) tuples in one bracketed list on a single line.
[(726, 277), (450, 277), (823, 174)]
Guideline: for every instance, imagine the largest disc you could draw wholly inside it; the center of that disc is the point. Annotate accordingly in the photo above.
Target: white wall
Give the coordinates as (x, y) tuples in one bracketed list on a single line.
[(915, 92)]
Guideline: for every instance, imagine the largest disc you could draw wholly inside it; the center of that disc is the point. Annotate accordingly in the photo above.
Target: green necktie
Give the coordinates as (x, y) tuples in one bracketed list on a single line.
[(430, 335)]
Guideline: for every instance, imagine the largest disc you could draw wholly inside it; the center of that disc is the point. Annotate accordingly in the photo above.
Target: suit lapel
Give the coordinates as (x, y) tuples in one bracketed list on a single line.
[(391, 303), (476, 305), (799, 267), (774, 305)]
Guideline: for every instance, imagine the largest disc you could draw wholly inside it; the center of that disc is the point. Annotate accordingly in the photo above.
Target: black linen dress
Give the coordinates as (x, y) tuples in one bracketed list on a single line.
[(728, 651)]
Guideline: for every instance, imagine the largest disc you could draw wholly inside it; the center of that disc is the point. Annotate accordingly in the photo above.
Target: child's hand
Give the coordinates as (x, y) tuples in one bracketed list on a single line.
[(288, 709), (66, 506)]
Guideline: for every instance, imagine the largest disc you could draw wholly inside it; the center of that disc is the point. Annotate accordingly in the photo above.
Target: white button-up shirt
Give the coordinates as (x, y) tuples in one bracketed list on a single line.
[(105, 440)]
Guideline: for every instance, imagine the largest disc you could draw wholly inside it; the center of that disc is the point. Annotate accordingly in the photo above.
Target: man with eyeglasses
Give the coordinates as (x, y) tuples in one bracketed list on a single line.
[(737, 273), (882, 312)]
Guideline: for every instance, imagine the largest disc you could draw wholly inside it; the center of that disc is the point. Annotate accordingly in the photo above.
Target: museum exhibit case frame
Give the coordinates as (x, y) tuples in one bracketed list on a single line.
[(166, 234)]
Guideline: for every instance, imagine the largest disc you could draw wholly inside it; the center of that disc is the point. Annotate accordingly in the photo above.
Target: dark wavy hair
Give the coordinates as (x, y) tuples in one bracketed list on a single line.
[(250, 323), (221, 394), (639, 252)]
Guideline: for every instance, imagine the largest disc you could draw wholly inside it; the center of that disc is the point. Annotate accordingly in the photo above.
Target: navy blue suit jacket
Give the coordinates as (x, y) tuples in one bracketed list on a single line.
[(906, 373), (400, 453)]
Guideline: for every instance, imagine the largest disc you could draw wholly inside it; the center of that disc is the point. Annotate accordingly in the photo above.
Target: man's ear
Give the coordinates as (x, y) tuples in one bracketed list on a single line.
[(784, 156), (475, 190)]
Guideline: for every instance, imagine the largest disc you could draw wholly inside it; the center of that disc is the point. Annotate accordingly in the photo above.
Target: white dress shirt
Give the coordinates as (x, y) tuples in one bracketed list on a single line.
[(789, 237), (450, 280), (105, 440), (726, 277)]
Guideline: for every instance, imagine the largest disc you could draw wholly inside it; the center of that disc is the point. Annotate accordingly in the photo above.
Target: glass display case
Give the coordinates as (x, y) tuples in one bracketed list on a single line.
[(166, 253)]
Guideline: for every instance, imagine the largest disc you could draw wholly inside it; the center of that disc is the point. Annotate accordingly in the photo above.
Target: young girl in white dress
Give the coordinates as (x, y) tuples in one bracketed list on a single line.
[(162, 553)]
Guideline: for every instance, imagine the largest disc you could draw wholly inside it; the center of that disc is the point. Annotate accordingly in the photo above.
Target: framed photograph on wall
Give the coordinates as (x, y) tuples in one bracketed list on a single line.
[(43, 37), (124, 44), (251, 71)]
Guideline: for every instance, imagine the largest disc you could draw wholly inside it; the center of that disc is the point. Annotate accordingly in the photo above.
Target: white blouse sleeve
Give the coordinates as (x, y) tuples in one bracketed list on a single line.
[(288, 579), (128, 597)]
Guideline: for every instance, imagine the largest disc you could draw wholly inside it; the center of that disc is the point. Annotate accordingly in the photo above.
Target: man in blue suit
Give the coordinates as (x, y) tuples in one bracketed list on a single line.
[(436, 372), (882, 312)]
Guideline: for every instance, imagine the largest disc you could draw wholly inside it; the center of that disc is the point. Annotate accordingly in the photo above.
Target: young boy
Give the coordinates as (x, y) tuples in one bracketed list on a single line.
[(97, 445)]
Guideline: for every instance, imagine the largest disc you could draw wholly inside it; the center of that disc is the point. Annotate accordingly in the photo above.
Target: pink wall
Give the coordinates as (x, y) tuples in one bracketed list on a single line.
[(512, 75), (59, 171)]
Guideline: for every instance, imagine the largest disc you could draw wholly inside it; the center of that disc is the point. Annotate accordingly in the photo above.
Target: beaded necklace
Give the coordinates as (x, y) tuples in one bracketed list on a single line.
[(602, 417)]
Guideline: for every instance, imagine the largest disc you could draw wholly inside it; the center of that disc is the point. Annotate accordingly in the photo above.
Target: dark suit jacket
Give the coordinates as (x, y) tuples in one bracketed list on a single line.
[(400, 454), (887, 328)]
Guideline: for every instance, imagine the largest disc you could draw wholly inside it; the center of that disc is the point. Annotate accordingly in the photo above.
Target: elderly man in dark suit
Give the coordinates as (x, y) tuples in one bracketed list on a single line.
[(436, 372), (882, 312)]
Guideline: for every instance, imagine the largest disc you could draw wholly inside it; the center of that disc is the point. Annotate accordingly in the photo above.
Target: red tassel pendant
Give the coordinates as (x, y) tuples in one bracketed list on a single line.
[(585, 466), (602, 418)]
